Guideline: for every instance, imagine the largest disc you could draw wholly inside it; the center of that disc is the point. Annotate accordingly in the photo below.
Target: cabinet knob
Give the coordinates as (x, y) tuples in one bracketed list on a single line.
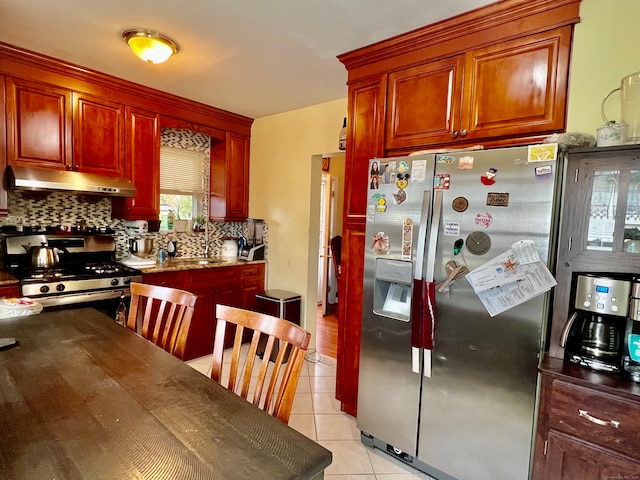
[(463, 132), (454, 134)]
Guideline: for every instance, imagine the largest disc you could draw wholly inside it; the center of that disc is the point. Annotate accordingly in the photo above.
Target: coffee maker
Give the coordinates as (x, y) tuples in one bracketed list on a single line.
[(253, 249), (593, 336), (631, 348)]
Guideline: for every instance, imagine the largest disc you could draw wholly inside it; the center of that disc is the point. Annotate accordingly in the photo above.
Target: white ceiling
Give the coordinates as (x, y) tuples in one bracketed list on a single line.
[(252, 57)]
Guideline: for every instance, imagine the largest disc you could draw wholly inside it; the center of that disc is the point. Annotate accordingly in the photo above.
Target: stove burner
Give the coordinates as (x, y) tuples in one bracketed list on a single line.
[(47, 274), (104, 268)]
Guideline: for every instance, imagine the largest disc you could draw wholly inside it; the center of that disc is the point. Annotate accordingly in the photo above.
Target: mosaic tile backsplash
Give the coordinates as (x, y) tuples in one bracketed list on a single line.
[(40, 209)]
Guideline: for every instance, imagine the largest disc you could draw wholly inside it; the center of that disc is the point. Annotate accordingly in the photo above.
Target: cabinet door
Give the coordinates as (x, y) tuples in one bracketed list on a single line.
[(517, 87), (39, 119), (568, 458), (229, 179), (142, 166), (424, 104), (350, 318), (365, 134), (3, 148), (252, 283), (98, 136)]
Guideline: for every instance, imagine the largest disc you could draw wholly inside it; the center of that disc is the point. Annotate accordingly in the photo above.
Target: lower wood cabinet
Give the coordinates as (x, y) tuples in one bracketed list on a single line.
[(588, 425), (10, 292), (234, 285)]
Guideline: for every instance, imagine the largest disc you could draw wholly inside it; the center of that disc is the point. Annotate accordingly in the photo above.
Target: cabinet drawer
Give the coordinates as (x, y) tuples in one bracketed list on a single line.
[(213, 276), (250, 272), (596, 418)]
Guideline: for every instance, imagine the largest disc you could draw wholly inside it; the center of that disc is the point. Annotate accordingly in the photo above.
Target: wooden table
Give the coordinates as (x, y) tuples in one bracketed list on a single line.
[(83, 398)]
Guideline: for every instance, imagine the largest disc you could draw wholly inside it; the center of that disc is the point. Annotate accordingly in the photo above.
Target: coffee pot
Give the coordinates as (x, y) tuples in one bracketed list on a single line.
[(593, 336)]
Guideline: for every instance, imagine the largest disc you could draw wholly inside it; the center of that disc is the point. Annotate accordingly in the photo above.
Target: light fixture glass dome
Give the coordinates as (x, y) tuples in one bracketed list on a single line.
[(150, 46)]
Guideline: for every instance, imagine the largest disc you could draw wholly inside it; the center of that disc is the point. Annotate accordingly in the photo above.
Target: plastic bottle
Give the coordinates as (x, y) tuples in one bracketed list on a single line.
[(342, 139), (121, 311), (170, 220)]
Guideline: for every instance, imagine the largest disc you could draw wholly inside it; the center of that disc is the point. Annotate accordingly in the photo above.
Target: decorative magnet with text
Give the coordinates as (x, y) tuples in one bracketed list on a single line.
[(407, 238), (483, 219), (495, 199), (380, 244), (489, 177)]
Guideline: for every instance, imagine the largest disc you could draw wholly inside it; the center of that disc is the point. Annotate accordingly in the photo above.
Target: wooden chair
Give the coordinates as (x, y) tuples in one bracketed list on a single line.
[(162, 315), (280, 378)]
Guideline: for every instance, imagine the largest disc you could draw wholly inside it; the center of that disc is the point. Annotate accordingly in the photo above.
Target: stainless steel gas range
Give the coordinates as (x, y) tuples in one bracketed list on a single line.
[(86, 270)]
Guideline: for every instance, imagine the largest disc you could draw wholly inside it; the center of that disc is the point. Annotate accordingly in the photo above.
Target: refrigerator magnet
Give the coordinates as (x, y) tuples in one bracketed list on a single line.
[(380, 244), (496, 199), (445, 159), (478, 243), (441, 181), (465, 163), (489, 177), (483, 219), (407, 238), (544, 172), (460, 204)]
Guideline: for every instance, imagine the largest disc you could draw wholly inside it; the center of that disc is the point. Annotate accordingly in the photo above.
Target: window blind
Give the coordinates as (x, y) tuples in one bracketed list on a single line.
[(180, 171)]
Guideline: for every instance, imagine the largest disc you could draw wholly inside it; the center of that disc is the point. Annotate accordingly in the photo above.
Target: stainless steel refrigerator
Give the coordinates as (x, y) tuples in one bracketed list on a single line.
[(444, 385)]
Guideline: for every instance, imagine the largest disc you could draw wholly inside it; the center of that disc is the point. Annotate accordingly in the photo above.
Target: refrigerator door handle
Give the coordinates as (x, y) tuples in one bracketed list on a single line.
[(433, 237), (423, 310)]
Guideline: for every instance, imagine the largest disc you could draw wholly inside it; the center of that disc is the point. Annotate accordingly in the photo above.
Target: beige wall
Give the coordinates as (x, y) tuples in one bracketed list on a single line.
[(285, 180), (604, 51), (286, 169)]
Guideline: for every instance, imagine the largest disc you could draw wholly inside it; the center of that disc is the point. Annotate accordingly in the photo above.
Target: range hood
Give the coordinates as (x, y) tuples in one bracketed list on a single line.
[(42, 179)]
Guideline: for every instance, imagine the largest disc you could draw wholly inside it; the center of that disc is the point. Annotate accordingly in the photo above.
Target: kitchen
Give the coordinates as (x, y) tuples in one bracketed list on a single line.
[(596, 68)]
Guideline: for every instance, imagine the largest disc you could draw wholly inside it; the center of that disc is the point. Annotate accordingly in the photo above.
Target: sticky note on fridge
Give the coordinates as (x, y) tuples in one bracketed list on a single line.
[(524, 252)]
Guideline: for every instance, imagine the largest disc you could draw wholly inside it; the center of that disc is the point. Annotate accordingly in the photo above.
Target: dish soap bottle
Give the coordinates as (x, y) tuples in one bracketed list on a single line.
[(121, 311), (342, 139), (171, 217)]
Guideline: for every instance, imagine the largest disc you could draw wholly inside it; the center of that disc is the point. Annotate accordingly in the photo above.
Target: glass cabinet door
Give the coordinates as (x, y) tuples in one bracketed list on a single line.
[(614, 192), (604, 201)]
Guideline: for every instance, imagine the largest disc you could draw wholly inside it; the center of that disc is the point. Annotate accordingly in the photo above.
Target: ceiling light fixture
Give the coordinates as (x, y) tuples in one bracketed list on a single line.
[(150, 46)]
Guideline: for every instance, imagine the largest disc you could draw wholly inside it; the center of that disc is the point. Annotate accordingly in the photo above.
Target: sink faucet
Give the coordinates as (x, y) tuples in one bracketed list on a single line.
[(206, 238)]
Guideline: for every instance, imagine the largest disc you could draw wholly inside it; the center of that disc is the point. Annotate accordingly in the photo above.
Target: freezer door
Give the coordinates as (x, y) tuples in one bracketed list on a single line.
[(477, 408), (389, 388)]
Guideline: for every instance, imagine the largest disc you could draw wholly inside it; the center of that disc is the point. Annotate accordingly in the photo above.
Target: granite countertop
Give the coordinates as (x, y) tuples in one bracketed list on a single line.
[(7, 279), (195, 263)]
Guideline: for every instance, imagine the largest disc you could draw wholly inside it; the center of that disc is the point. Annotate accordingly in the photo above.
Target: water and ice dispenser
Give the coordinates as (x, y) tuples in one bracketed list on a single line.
[(392, 289)]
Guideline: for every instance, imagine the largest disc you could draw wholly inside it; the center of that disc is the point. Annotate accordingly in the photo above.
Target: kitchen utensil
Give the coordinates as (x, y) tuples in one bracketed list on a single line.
[(42, 256), (141, 247)]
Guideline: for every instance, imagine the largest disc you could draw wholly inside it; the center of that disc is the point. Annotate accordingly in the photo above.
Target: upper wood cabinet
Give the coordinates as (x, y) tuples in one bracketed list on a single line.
[(509, 89), (39, 124), (52, 127), (142, 142), (98, 135), (229, 179)]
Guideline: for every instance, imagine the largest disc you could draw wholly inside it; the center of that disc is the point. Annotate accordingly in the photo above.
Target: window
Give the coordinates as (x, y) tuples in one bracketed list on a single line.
[(180, 183)]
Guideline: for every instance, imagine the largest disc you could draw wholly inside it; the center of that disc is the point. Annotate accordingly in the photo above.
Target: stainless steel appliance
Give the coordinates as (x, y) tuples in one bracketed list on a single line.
[(254, 247), (87, 270), (631, 347), (443, 385), (594, 333)]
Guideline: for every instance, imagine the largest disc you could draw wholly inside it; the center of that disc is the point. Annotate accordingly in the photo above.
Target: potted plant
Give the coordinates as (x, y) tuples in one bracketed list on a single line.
[(198, 224)]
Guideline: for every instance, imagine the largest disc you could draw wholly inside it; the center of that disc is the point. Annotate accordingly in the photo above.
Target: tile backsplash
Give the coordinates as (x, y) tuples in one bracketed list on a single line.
[(43, 209), (39, 209)]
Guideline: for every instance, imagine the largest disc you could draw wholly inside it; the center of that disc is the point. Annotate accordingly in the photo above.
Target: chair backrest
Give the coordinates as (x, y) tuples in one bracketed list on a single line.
[(279, 376), (336, 253), (162, 315)]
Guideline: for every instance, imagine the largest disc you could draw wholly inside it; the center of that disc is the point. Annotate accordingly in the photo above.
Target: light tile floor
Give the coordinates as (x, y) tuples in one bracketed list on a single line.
[(316, 414)]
